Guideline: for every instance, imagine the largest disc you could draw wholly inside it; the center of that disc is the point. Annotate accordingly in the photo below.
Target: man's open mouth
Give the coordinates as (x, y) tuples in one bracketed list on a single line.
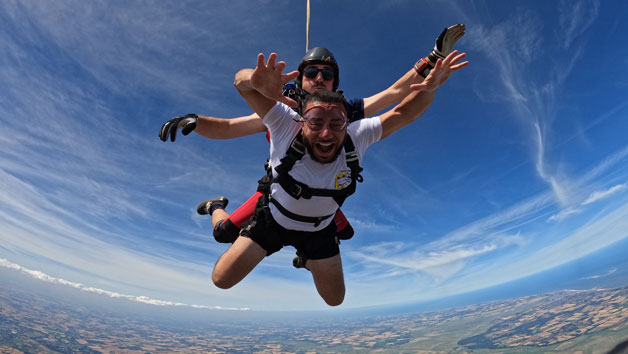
[(325, 148)]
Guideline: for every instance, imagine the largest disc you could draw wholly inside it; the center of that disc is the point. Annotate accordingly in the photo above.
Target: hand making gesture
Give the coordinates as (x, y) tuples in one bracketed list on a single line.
[(268, 79)]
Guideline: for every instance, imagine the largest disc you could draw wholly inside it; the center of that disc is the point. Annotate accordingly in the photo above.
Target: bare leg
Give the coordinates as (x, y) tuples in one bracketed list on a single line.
[(237, 262), (328, 279)]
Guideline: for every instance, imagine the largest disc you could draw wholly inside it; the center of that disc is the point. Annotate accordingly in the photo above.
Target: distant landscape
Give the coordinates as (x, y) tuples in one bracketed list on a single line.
[(568, 321)]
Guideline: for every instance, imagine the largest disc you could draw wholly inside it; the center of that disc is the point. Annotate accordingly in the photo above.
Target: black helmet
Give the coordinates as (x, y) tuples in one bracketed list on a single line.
[(318, 55)]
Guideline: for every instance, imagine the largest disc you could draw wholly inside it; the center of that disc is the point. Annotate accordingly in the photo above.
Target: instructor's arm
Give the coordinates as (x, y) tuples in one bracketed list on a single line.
[(416, 103)]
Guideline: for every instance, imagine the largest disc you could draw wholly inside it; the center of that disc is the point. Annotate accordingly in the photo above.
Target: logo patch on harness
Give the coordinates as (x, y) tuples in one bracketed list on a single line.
[(343, 179)]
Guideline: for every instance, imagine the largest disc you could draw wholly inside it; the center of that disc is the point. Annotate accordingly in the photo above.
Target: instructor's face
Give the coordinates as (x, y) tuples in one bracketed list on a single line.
[(324, 129), (318, 82)]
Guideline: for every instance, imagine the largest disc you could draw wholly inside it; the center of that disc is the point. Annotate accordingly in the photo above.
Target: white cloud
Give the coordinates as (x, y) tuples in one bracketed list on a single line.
[(450, 255), (533, 98), (125, 49), (596, 235), (396, 258), (599, 195), (593, 197), (575, 18), (597, 276), (138, 298), (370, 225), (565, 213), (492, 226)]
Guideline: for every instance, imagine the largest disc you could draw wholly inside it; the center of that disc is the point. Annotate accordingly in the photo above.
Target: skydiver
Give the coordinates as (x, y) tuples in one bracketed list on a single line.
[(318, 70), (329, 149)]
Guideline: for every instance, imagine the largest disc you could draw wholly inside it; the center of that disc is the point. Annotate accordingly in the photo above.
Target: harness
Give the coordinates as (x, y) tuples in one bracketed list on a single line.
[(297, 189)]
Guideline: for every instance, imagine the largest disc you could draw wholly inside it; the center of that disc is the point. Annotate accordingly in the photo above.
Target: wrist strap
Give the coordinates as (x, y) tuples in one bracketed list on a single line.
[(433, 57), (423, 67)]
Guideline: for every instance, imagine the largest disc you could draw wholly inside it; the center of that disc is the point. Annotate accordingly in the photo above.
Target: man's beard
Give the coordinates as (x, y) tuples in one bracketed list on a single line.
[(310, 149)]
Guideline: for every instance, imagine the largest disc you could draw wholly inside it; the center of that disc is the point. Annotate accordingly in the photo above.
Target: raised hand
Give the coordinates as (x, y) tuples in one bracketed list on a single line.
[(268, 79), (441, 72)]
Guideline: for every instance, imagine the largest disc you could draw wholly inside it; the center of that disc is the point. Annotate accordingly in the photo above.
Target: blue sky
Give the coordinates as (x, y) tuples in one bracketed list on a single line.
[(519, 166)]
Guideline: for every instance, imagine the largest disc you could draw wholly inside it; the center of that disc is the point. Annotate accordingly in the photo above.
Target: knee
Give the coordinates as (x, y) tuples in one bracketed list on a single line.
[(335, 298), (225, 231), (221, 281), (335, 301)]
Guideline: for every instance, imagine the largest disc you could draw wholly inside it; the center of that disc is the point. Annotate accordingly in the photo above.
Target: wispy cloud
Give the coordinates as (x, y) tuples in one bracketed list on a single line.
[(533, 97), (592, 198), (597, 276), (449, 255), (371, 225), (597, 234), (138, 298), (565, 213), (439, 263), (575, 18), (125, 50), (599, 195)]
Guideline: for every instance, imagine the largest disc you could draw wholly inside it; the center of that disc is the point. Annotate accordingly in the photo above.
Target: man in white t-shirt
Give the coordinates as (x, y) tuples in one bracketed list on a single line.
[(315, 164)]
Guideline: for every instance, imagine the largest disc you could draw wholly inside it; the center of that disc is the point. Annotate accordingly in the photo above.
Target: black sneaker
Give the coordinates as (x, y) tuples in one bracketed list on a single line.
[(206, 205)]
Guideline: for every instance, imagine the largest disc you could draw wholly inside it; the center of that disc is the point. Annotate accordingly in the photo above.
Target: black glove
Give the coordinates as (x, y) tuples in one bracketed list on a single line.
[(446, 41), (186, 123)]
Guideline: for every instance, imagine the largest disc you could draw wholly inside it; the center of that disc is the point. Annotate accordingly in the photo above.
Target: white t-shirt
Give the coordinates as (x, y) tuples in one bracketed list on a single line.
[(282, 122)]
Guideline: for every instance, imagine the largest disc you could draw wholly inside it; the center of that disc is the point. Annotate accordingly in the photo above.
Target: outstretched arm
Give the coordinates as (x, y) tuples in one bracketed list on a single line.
[(261, 87), (415, 104), (221, 128), (401, 88), (211, 127)]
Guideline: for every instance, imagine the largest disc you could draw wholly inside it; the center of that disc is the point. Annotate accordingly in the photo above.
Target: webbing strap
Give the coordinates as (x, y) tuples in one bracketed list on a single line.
[(307, 27), (310, 219), (295, 153)]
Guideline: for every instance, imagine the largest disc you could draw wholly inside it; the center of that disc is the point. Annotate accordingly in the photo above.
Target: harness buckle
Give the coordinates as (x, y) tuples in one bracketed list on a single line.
[(297, 191)]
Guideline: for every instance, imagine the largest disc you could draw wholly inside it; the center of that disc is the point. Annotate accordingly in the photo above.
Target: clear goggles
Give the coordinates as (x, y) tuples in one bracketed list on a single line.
[(316, 117)]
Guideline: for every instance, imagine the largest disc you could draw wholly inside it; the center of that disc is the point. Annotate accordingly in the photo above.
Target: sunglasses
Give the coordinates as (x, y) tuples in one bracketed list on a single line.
[(311, 72), (317, 118)]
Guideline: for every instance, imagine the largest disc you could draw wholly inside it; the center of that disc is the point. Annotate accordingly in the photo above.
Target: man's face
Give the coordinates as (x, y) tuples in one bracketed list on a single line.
[(317, 83), (324, 129)]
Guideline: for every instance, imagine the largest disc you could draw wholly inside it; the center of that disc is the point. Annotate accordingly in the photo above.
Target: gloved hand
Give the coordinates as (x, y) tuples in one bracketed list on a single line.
[(186, 123), (446, 41)]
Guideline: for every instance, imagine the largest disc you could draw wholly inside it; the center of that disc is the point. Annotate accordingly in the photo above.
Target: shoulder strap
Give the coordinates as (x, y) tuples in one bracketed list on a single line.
[(351, 156), (295, 152)]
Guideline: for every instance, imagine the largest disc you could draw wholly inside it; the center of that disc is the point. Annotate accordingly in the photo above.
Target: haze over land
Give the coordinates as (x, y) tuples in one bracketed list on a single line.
[(38, 317)]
